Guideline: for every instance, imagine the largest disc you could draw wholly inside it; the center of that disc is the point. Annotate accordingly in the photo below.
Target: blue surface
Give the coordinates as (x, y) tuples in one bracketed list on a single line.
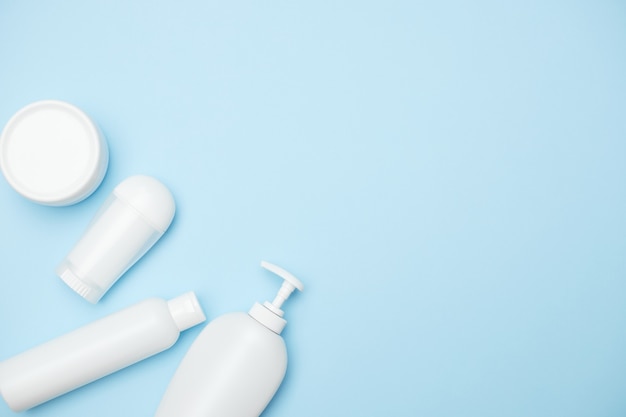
[(447, 178)]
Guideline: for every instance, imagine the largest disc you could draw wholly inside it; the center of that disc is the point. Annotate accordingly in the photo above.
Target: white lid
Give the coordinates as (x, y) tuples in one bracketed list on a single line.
[(186, 311), (150, 198), (52, 153)]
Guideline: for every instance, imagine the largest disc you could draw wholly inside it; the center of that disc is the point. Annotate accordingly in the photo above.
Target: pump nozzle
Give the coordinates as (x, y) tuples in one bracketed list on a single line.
[(270, 314), (289, 284)]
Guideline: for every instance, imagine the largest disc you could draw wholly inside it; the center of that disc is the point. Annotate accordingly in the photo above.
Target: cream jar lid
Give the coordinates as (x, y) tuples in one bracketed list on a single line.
[(52, 153)]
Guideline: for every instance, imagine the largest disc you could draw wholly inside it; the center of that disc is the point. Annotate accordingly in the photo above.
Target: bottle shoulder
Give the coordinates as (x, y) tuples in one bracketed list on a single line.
[(239, 328)]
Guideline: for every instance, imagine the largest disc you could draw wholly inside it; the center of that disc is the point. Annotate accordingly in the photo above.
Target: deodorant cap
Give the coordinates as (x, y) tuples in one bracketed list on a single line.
[(150, 198), (133, 218), (52, 153)]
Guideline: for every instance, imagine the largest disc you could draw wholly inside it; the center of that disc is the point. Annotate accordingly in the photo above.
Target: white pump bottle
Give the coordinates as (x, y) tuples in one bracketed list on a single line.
[(236, 364)]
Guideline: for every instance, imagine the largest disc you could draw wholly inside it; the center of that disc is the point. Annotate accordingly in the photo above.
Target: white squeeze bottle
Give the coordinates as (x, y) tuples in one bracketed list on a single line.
[(236, 364), (95, 350)]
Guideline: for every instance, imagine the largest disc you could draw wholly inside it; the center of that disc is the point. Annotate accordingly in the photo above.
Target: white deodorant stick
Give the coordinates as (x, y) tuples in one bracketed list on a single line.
[(52, 153), (132, 219)]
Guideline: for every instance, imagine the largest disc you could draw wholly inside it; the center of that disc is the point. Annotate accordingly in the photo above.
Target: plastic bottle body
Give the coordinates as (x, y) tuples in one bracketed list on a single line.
[(90, 352), (233, 369), (129, 223), (116, 239)]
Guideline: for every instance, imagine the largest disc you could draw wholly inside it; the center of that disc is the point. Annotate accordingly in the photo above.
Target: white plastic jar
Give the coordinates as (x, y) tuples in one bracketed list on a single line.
[(52, 153)]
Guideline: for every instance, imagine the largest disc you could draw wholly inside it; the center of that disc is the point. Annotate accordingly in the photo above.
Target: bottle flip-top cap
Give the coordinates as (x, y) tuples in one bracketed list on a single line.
[(186, 311), (52, 153), (270, 314), (133, 218)]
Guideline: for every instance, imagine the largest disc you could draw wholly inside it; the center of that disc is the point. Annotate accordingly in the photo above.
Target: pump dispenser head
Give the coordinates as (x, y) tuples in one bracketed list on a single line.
[(270, 314)]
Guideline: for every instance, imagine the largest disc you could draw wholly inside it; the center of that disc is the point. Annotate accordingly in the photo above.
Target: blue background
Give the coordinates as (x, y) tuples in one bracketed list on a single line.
[(447, 178)]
